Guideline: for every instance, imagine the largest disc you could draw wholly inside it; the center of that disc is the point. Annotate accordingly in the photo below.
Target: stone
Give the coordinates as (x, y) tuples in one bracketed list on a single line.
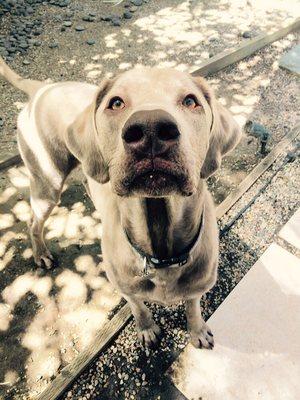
[(23, 45), (88, 18), (67, 23), (137, 2), (26, 62), (291, 60), (106, 18), (79, 28), (90, 42), (247, 35), (127, 15), (53, 45), (116, 21), (37, 32)]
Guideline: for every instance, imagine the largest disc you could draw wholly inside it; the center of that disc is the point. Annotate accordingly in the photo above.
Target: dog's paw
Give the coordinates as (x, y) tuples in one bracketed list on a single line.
[(149, 337), (45, 260), (202, 338)]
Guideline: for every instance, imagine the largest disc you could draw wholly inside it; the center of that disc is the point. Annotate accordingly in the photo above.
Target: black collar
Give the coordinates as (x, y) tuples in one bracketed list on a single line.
[(150, 261)]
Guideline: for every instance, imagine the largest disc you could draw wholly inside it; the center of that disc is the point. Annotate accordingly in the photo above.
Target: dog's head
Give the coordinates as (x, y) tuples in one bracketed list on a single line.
[(153, 132)]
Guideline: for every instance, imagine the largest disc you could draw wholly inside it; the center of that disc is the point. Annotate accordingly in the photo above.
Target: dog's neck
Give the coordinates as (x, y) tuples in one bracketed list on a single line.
[(163, 227)]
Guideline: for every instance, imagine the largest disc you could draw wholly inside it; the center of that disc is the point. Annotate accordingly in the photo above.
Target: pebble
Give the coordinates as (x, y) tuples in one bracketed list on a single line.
[(137, 2), (90, 42), (247, 35), (88, 18), (67, 23), (53, 45), (116, 21), (79, 28), (26, 62), (37, 32), (106, 18), (127, 15), (23, 45)]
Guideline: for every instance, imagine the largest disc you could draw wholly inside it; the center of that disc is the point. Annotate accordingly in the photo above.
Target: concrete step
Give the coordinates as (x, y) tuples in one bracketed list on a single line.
[(257, 335), (291, 231)]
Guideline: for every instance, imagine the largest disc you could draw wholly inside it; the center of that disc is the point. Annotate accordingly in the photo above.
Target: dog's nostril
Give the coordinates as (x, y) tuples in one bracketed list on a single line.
[(167, 131), (133, 134)]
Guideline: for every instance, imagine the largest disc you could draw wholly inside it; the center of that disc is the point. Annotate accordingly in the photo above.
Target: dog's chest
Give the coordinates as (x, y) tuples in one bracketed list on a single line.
[(163, 286)]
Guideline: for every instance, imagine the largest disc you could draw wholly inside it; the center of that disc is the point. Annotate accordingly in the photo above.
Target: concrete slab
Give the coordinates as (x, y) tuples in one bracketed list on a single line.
[(291, 231), (291, 60), (257, 332)]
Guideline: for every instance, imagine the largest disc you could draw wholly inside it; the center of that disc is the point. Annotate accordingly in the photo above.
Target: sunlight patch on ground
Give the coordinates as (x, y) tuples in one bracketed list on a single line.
[(70, 303)]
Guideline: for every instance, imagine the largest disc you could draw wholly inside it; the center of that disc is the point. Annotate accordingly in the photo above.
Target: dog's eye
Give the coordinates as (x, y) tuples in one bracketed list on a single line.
[(116, 103), (190, 101)]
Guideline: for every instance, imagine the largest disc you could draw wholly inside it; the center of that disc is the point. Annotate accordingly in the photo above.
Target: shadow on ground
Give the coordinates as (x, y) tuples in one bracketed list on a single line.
[(48, 317)]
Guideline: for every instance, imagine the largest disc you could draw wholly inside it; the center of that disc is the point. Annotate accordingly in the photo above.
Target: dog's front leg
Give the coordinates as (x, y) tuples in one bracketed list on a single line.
[(201, 336), (147, 330)]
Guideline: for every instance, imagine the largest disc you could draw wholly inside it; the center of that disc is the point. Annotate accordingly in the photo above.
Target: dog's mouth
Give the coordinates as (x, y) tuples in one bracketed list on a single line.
[(157, 178)]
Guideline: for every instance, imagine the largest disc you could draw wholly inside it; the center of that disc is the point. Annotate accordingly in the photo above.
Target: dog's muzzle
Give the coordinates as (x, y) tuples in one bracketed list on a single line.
[(150, 133)]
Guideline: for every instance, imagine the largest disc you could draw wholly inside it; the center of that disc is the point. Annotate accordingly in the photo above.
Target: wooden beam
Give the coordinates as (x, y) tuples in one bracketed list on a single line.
[(252, 177), (111, 329), (228, 57), (10, 162)]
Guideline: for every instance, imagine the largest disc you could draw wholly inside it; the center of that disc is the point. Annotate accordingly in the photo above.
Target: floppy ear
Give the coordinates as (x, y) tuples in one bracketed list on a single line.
[(82, 138), (224, 131)]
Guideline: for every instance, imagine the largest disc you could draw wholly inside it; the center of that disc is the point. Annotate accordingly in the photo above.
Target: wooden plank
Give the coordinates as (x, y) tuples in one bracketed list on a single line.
[(230, 56), (252, 177), (102, 339), (10, 162)]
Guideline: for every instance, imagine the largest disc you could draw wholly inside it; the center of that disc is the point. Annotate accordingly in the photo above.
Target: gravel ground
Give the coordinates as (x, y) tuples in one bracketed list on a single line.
[(126, 370), (256, 89)]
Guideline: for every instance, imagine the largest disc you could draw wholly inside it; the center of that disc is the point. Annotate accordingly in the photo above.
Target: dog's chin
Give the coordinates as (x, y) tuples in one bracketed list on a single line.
[(156, 184)]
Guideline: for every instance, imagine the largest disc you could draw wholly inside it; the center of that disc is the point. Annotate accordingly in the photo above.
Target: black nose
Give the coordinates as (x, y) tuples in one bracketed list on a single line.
[(150, 132)]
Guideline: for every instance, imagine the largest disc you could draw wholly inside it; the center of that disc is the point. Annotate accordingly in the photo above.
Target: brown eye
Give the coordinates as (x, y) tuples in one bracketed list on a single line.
[(116, 103), (190, 102)]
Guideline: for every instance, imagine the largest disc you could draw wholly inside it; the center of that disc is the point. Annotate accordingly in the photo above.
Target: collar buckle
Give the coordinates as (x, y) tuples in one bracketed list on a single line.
[(181, 263)]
